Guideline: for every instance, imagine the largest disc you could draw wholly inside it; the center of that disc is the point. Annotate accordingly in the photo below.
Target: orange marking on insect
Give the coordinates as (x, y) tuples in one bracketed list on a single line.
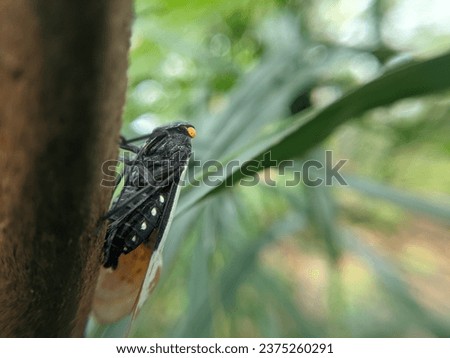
[(192, 132), (117, 290)]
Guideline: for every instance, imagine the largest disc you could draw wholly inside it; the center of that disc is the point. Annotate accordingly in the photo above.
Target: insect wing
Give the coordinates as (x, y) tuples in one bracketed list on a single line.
[(117, 290), (154, 268), (125, 289)]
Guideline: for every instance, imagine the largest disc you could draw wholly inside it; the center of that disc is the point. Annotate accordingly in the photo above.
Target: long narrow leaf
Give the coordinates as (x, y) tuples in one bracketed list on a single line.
[(406, 200), (308, 130)]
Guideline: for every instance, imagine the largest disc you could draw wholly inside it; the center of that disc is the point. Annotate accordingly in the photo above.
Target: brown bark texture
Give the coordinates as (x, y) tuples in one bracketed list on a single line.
[(62, 89)]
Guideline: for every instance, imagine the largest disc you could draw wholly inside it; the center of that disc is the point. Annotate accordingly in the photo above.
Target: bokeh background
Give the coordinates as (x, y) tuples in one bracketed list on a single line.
[(367, 259)]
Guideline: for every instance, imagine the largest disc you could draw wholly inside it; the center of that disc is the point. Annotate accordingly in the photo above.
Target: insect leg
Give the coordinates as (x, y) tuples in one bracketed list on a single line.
[(136, 139), (125, 145), (127, 161)]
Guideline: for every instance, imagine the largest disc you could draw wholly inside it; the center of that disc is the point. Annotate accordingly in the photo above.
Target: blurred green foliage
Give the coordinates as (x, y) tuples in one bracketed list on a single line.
[(296, 78)]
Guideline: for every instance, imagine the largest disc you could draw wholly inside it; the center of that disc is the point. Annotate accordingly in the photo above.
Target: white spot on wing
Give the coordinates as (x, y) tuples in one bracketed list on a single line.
[(133, 238), (153, 211), (143, 225), (161, 199)]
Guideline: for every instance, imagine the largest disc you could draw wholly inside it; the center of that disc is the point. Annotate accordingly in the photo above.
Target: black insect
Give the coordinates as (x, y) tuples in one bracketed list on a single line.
[(140, 214)]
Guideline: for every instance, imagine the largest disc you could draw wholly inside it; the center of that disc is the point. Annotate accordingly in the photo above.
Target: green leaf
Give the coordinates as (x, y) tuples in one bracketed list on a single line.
[(404, 199), (295, 138), (198, 320), (244, 261)]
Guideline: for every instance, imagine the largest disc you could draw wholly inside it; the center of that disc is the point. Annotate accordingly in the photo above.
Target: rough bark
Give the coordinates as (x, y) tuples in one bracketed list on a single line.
[(62, 88)]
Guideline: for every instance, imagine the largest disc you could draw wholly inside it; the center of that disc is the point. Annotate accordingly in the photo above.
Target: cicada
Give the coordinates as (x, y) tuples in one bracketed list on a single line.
[(139, 220)]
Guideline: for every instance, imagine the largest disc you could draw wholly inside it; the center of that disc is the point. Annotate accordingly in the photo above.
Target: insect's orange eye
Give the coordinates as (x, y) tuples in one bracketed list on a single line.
[(192, 132)]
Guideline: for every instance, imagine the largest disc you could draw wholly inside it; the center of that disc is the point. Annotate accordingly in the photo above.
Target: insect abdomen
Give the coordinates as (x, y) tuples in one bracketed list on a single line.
[(135, 228)]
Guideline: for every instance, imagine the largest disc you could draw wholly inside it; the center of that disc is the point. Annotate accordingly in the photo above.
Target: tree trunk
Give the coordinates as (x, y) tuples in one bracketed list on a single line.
[(62, 88)]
